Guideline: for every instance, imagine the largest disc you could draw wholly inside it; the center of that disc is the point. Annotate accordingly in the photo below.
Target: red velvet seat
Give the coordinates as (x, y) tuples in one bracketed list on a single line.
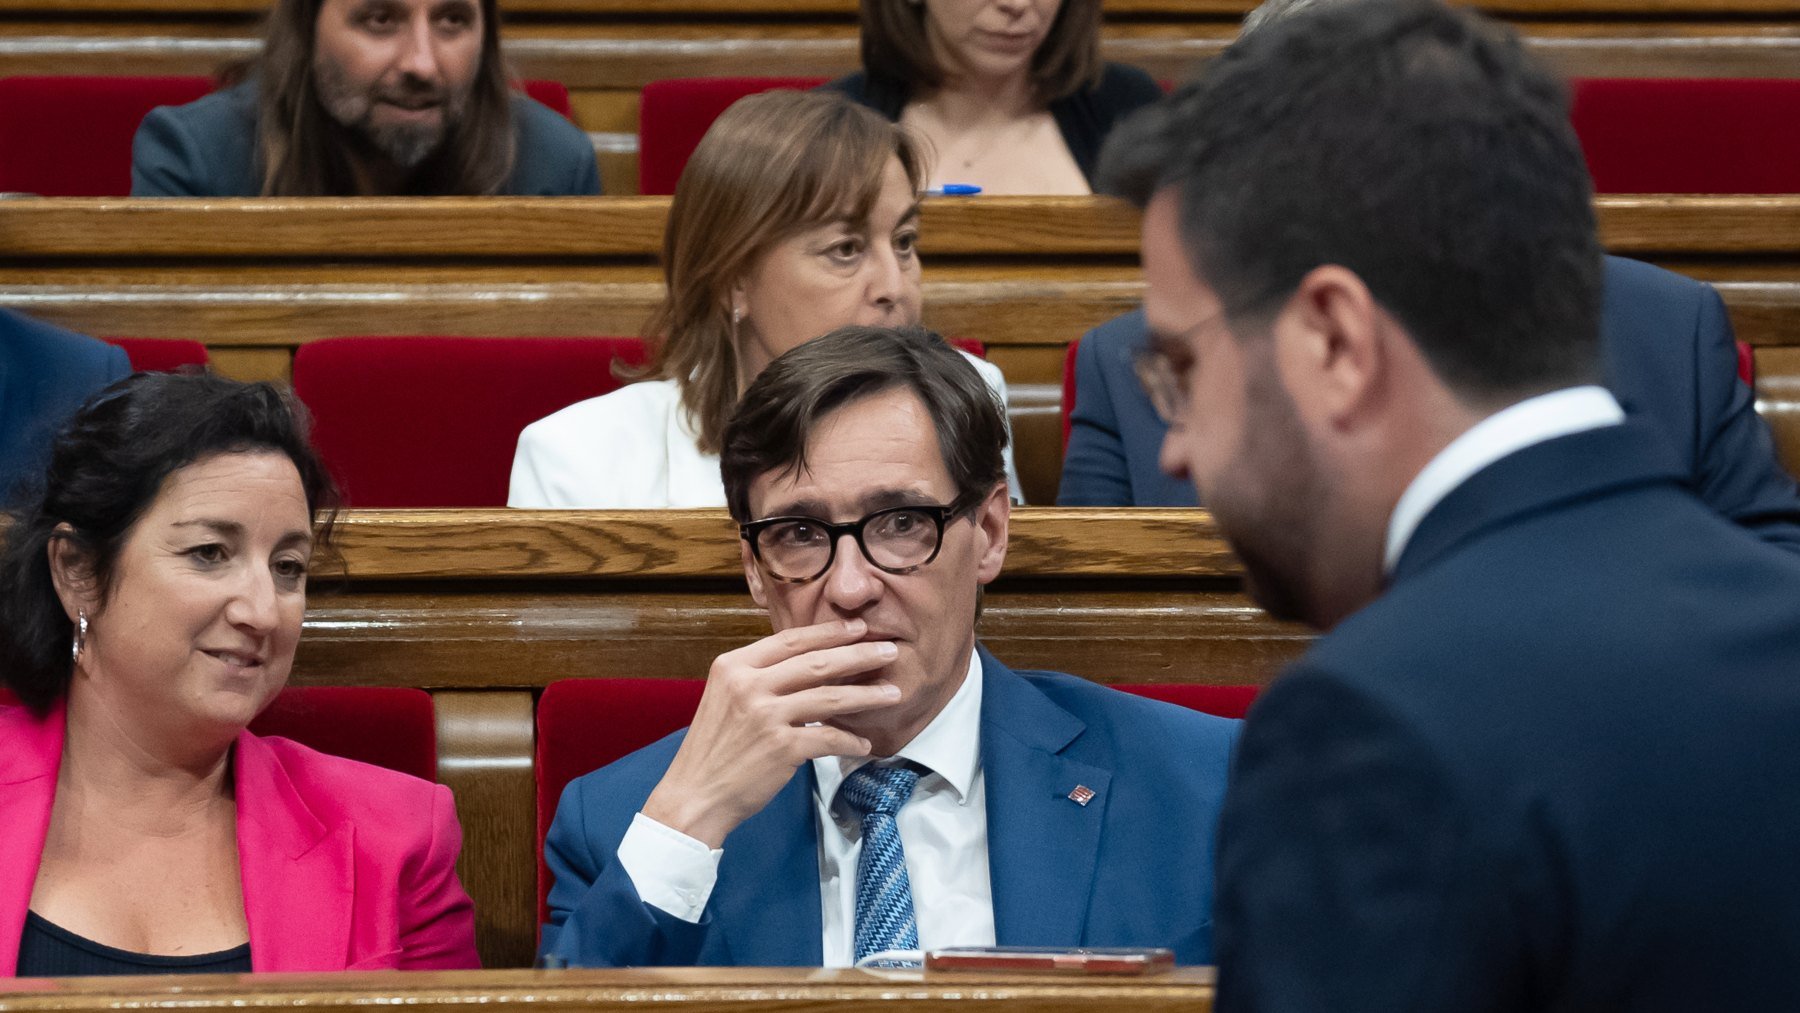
[(390, 727), (71, 136), (433, 422), (162, 355), (1690, 135), (585, 724), (674, 114)]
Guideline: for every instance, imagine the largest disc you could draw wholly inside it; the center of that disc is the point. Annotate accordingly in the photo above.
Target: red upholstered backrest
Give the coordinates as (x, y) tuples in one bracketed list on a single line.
[(71, 136), (585, 724), (161, 355), (1746, 363), (673, 115), (1225, 701), (554, 94), (433, 422), (1068, 393), (388, 726), (1690, 135)]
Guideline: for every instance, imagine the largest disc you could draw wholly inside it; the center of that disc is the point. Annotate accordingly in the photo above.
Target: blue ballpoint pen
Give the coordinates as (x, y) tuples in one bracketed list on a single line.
[(954, 190)]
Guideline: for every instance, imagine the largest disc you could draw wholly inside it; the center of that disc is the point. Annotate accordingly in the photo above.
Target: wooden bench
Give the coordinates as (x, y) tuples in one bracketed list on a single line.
[(606, 50), (485, 608), (255, 279), (687, 990)]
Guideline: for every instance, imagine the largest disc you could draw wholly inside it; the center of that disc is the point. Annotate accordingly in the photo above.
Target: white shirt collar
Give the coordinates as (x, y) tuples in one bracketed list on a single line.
[(1512, 429), (950, 746)]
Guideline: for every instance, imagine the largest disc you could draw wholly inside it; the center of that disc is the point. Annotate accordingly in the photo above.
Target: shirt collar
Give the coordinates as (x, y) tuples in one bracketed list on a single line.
[(1532, 421), (950, 746)]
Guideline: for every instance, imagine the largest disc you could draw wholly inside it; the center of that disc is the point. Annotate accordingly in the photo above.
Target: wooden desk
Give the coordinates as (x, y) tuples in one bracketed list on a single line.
[(254, 279), (689, 990)]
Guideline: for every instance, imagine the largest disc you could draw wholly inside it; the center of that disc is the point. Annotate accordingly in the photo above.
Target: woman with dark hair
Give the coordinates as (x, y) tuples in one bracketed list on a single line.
[(797, 214), (150, 601), (1011, 95), (367, 98)]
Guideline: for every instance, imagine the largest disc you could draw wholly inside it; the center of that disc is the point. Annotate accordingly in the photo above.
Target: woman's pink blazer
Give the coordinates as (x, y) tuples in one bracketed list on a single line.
[(345, 865)]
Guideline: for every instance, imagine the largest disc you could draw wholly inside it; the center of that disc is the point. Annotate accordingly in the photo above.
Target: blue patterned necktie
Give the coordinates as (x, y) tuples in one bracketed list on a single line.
[(884, 904)]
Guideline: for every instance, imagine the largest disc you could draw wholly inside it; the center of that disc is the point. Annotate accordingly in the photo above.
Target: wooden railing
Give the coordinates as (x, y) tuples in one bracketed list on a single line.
[(685, 990)]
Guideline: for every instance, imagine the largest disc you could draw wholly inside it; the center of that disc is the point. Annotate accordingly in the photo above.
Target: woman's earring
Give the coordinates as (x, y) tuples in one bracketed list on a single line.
[(737, 315), (80, 641)]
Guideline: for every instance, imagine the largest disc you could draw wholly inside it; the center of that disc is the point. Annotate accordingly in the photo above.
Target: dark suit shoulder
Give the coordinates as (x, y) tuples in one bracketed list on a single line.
[(206, 148), (1124, 88), (1134, 728), (555, 158)]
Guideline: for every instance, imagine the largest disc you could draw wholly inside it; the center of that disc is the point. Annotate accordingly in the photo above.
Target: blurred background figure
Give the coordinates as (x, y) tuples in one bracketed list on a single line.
[(366, 98), (798, 214), (1011, 95), (150, 602), (45, 374)]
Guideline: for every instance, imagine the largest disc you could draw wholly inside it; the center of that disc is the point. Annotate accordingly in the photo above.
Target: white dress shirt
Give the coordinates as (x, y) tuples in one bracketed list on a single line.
[(1530, 422), (943, 828), (633, 449)]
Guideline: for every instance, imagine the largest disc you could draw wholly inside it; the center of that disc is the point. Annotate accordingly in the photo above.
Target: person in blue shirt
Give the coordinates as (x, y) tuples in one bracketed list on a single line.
[(45, 374), (367, 98)]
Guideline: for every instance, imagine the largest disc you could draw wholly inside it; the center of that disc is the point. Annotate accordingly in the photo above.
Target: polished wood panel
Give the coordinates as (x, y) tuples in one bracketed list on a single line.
[(519, 599), (485, 757), (691, 990)]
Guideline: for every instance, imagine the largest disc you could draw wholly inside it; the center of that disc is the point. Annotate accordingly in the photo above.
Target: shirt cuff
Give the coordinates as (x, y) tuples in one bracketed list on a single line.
[(672, 872)]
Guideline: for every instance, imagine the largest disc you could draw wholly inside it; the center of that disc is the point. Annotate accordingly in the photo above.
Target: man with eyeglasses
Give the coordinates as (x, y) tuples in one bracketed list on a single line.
[(869, 782), (1544, 755)]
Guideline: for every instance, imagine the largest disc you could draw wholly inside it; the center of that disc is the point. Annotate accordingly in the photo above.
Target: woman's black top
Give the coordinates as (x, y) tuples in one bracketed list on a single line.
[(48, 950), (1085, 118)]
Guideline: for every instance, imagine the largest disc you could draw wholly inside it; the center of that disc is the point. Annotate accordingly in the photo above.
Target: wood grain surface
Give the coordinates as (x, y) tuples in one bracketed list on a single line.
[(696, 990)]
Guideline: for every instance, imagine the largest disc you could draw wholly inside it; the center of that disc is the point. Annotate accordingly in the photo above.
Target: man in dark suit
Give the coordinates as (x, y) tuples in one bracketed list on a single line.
[(1669, 358), (1032, 808), (45, 374), (1544, 757)]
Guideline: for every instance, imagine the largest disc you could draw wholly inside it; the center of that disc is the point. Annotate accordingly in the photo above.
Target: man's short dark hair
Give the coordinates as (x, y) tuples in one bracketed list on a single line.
[(1420, 147), (769, 430)]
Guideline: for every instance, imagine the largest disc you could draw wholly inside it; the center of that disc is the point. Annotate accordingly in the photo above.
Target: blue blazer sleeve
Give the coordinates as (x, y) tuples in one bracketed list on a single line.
[(1095, 472), (596, 917), (1737, 471), (1349, 877)]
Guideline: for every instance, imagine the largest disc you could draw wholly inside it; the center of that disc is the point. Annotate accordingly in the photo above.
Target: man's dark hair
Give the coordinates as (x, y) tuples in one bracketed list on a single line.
[(107, 466), (768, 432), (1420, 147), (303, 152)]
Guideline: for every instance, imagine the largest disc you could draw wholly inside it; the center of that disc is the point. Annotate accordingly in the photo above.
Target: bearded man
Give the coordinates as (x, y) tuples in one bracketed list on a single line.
[(367, 98)]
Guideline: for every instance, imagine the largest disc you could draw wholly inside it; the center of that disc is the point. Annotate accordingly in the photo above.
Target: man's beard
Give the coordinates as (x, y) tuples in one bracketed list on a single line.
[(406, 144), (1267, 513)]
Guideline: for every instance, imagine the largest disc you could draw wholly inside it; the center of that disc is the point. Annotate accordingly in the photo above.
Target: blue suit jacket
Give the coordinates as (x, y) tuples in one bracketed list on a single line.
[(1131, 868), (1553, 767), (207, 148), (1669, 358), (45, 374)]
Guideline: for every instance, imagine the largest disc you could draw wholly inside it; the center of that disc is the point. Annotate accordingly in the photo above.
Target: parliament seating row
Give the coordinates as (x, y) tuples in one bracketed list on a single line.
[(257, 280), (71, 136)]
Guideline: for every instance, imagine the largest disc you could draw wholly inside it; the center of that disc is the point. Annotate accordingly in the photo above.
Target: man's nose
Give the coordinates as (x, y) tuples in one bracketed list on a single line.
[(852, 583), (418, 54)]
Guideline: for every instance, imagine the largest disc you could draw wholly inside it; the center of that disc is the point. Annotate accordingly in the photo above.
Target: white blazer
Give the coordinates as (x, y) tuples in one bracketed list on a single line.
[(633, 449)]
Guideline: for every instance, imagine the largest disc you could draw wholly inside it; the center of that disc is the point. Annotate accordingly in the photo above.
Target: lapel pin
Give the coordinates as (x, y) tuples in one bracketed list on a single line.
[(1082, 795)]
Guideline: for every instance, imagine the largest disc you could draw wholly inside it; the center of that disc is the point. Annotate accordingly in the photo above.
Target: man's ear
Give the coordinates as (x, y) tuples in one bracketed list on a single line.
[(72, 573), (752, 573), (1329, 346), (991, 519)]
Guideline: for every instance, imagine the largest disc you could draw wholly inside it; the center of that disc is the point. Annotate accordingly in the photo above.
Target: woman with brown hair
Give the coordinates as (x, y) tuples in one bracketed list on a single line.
[(1011, 95), (797, 214)]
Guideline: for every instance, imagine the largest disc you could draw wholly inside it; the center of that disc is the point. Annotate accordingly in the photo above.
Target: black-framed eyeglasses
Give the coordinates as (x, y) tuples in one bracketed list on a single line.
[(899, 540), (1164, 380)]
